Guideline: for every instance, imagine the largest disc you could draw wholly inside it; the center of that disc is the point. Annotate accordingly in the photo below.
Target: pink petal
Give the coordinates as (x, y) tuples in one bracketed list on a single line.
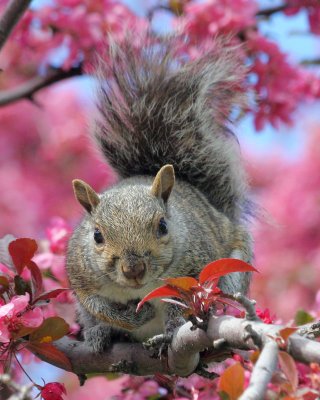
[(4, 334), (6, 310), (20, 302), (32, 318)]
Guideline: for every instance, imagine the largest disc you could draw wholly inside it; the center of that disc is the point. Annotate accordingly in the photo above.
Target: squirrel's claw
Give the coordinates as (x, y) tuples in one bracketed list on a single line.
[(158, 345), (125, 367)]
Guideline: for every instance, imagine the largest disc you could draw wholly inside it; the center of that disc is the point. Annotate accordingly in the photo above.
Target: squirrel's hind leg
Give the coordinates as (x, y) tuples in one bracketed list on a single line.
[(98, 337)]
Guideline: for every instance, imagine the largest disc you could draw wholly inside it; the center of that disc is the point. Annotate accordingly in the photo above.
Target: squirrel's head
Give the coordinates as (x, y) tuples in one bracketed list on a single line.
[(130, 228)]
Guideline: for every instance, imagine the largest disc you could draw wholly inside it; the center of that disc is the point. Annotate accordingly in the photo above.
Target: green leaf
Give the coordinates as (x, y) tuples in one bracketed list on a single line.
[(302, 318), (110, 376), (51, 329), (21, 251), (224, 396), (224, 266)]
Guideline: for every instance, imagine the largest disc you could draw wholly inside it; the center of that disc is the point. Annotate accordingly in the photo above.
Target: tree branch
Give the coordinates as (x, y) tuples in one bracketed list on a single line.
[(183, 355), (310, 331), (316, 61), (267, 12), (10, 17), (262, 372), (18, 392), (83, 361), (28, 89)]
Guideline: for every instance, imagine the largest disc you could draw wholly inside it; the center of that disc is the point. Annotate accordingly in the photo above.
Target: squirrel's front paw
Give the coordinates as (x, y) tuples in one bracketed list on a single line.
[(145, 314), (158, 344), (98, 337)]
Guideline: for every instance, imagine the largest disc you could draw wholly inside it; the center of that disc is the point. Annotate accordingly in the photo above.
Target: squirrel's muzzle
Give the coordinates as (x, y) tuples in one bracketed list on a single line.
[(134, 268)]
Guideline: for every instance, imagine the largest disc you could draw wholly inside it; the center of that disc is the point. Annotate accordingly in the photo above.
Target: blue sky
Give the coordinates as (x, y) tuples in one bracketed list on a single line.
[(291, 34)]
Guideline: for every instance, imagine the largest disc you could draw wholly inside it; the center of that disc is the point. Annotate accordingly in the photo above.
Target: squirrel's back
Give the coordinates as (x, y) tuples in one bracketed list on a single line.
[(157, 109)]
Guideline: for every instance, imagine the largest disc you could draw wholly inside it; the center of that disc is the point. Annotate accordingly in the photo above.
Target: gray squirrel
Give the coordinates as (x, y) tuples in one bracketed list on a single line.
[(182, 195)]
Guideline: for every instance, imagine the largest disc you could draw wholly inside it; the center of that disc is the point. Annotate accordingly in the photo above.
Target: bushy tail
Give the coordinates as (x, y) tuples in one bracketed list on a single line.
[(156, 109)]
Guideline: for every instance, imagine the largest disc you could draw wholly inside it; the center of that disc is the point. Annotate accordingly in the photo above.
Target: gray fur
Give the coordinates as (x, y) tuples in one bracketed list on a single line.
[(156, 109)]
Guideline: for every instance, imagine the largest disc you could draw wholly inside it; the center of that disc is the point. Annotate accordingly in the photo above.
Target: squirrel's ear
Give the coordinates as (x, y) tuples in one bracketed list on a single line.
[(163, 183), (85, 195)]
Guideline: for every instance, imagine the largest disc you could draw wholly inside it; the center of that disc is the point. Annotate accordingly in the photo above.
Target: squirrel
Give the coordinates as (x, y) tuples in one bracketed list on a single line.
[(164, 127)]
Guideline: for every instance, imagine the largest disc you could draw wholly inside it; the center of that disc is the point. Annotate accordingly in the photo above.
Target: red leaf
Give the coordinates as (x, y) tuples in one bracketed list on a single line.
[(4, 284), (232, 381), (224, 266), (286, 332), (289, 368), (185, 282), (23, 331), (228, 302), (311, 395), (175, 302), (21, 251), (162, 291), (49, 353), (36, 277), (51, 294)]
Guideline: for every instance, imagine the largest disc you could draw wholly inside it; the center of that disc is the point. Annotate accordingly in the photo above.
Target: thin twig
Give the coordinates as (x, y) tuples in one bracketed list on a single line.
[(28, 89), (262, 372), (249, 306), (267, 12), (10, 17), (316, 61)]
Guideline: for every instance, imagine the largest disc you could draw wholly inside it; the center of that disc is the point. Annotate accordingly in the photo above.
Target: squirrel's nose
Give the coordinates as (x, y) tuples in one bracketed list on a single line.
[(134, 271)]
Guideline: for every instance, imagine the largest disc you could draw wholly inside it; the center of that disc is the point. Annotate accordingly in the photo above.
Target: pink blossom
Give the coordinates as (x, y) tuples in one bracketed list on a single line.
[(16, 314), (58, 234), (312, 8), (57, 25), (265, 316), (149, 388), (280, 86), (206, 19), (287, 241), (39, 156)]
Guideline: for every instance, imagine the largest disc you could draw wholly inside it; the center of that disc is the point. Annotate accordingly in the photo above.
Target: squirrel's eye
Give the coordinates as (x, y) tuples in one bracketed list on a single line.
[(162, 228), (98, 236)]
